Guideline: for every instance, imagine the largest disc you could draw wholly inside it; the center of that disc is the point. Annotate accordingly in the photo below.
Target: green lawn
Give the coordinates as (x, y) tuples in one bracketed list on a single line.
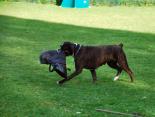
[(28, 89)]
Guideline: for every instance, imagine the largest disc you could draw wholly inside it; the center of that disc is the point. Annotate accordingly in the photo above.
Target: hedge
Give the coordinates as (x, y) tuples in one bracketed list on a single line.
[(99, 2)]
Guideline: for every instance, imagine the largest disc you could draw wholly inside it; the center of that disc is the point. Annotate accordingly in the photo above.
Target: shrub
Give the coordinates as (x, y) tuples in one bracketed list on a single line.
[(100, 2)]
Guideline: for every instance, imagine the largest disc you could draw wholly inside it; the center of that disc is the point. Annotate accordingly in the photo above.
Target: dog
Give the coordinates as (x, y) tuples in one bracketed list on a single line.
[(92, 57), (57, 59)]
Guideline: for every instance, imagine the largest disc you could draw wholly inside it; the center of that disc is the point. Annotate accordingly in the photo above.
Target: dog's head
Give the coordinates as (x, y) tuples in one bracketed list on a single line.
[(68, 48)]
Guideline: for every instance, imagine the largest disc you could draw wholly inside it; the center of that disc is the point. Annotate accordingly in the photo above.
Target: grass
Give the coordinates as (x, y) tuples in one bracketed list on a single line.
[(28, 89)]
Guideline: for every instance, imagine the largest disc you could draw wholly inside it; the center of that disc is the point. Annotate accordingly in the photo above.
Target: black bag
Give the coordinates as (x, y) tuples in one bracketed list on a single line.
[(56, 59)]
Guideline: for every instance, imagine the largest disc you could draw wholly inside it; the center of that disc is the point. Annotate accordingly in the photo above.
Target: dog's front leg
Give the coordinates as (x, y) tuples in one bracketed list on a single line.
[(62, 81), (75, 73), (78, 70)]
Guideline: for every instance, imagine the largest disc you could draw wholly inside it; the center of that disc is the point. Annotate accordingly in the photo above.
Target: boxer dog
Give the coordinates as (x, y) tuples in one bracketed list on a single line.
[(92, 57)]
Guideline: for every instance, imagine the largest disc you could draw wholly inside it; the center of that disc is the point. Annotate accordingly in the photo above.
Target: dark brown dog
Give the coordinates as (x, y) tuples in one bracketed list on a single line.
[(91, 57)]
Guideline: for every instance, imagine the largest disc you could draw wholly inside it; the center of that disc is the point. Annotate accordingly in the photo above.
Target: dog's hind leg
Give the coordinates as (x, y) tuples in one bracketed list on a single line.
[(118, 74), (93, 73), (124, 65), (115, 65), (128, 70)]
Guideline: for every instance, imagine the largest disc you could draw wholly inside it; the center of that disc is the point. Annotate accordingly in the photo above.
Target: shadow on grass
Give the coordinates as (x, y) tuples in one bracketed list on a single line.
[(22, 40)]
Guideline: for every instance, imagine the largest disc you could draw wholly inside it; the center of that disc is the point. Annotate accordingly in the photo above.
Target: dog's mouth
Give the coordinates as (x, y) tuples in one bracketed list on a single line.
[(66, 52)]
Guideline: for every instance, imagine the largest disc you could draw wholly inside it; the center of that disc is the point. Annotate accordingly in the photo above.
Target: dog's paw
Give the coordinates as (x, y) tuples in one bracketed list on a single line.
[(116, 78), (57, 82)]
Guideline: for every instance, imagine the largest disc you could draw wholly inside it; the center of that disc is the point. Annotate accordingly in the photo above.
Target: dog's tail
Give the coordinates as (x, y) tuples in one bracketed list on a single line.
[(121, 45)]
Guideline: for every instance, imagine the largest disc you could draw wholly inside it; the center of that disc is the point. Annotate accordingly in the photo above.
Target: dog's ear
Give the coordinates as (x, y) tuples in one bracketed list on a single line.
[(61, 45), (121, 45)]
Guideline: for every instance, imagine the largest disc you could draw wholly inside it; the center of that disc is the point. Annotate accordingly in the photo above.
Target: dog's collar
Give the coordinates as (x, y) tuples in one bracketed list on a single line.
[(78, 47)]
